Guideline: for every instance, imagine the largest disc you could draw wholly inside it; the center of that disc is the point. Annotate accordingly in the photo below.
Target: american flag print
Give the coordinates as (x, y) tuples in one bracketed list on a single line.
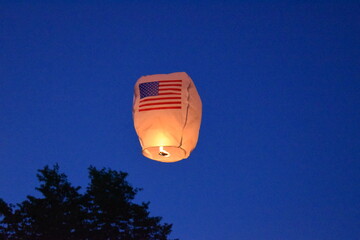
[(158, 95)]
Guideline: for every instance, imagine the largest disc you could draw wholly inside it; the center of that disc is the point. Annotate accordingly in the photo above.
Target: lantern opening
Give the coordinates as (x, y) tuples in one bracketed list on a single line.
[(163, 153)]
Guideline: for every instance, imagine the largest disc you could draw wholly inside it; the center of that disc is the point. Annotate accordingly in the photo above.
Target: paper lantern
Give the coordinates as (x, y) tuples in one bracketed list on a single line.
[(167, 116)]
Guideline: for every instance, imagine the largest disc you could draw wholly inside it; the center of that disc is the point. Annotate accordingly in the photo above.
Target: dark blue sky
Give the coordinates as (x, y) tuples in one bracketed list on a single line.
[(279, 149)]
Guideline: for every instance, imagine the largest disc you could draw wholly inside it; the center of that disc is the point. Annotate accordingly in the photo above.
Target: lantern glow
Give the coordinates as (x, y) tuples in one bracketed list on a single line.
[(167, 115)]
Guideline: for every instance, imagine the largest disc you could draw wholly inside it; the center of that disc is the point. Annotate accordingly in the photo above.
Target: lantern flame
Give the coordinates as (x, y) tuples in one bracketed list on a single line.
[(163, 153)]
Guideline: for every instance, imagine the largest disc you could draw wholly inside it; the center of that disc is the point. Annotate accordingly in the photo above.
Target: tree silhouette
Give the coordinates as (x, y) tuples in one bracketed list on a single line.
[(104, 212)]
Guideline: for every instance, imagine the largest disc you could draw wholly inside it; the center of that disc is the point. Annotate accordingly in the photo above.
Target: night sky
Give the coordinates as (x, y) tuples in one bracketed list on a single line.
[(278, 155)]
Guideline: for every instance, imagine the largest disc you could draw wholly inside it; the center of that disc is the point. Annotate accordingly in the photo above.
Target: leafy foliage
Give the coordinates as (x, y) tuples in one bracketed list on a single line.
[(104, 212)]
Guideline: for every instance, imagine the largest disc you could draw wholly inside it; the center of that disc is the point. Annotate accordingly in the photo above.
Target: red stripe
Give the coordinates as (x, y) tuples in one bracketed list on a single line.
[(169, 89), (158, 103), (169, 93), (170, 85), (162, 98), (159, 108), (170, 81)]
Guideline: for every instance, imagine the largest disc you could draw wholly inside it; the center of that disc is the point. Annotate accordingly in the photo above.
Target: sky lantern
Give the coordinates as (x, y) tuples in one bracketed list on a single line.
[(167, 115)]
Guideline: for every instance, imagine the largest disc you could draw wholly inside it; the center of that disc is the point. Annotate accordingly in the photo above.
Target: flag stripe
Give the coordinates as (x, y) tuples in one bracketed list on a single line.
[(170, 85), (162, 98), (169, 93), (169, 81), (158, 108), (158, 103), (169, 89)]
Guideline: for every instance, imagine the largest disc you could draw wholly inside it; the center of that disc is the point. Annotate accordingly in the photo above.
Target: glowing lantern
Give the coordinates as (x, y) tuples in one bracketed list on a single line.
[(167, 116)]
